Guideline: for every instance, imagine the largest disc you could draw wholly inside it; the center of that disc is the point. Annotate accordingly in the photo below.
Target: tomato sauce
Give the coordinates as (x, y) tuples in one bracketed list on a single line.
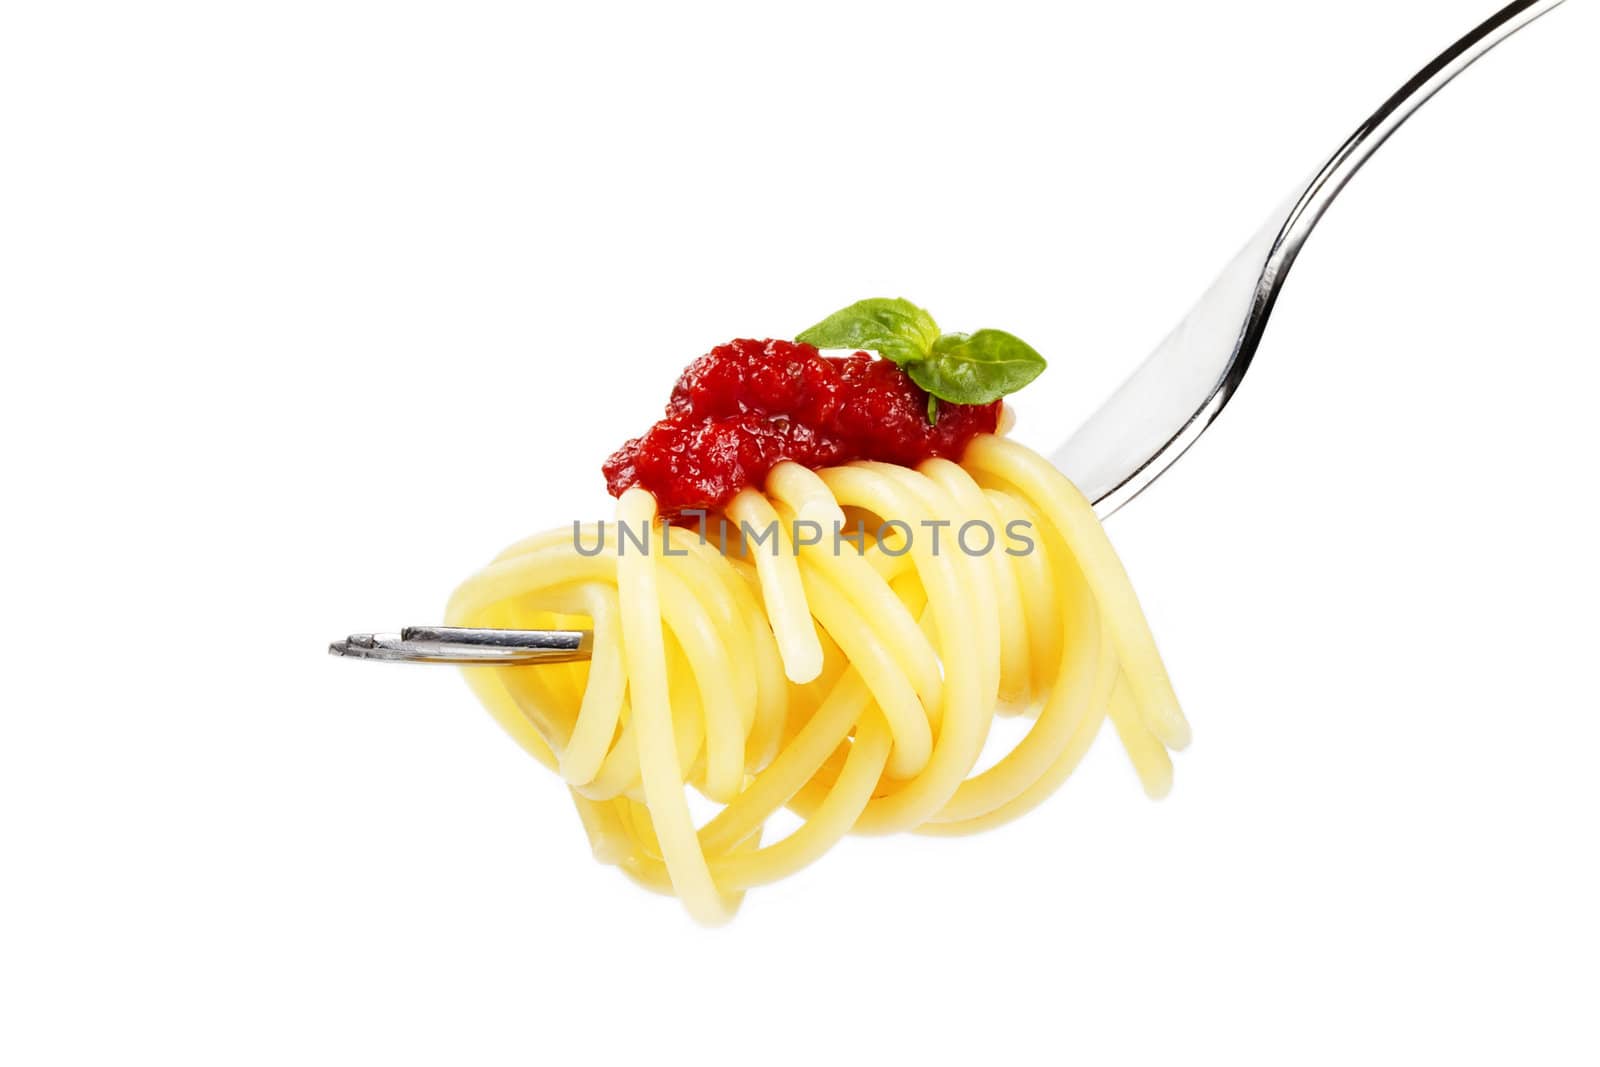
[(744, 407)]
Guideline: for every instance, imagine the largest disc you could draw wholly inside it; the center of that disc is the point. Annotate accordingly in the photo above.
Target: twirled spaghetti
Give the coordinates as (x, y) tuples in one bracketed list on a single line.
[(855, 687)]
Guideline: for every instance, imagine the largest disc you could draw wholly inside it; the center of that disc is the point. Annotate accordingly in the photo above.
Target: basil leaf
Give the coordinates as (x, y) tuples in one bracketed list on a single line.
[(897, 330), (977, 368), (933, 410)]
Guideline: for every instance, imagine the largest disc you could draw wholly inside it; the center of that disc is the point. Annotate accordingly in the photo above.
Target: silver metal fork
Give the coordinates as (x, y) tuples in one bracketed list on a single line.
[(1153, 418)]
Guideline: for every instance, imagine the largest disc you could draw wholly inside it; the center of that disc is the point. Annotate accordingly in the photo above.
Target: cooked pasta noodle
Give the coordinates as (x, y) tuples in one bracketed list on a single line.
[(855, 687)]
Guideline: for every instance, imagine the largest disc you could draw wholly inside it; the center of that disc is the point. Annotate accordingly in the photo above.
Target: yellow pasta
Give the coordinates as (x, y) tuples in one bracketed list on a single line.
[(854, 682)]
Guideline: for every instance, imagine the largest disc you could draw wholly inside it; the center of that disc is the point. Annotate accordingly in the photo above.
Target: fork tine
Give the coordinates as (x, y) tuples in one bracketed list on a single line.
[(468, 647)]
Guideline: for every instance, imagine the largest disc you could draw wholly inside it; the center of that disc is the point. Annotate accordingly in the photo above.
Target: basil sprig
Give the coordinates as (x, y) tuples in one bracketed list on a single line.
[(961, 368)]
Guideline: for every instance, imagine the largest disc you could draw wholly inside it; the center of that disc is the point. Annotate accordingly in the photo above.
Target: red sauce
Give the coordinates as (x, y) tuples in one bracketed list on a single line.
[(745, 406)]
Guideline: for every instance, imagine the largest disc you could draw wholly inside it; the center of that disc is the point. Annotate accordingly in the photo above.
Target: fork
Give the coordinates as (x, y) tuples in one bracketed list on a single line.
[(1153, 418)]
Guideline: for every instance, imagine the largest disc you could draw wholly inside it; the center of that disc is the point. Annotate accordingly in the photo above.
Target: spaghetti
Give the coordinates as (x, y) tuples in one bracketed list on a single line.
[(854, 683)]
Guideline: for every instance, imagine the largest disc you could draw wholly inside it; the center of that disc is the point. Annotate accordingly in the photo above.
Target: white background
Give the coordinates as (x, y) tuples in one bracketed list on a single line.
[(306, 309)]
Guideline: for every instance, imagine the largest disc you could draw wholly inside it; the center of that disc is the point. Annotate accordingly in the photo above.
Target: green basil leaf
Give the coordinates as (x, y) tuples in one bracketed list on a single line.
[(897, 330), (977, 368), (933, 410)]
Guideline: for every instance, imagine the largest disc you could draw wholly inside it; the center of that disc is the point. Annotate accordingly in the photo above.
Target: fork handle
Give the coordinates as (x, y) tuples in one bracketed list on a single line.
[(1181, 387)]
